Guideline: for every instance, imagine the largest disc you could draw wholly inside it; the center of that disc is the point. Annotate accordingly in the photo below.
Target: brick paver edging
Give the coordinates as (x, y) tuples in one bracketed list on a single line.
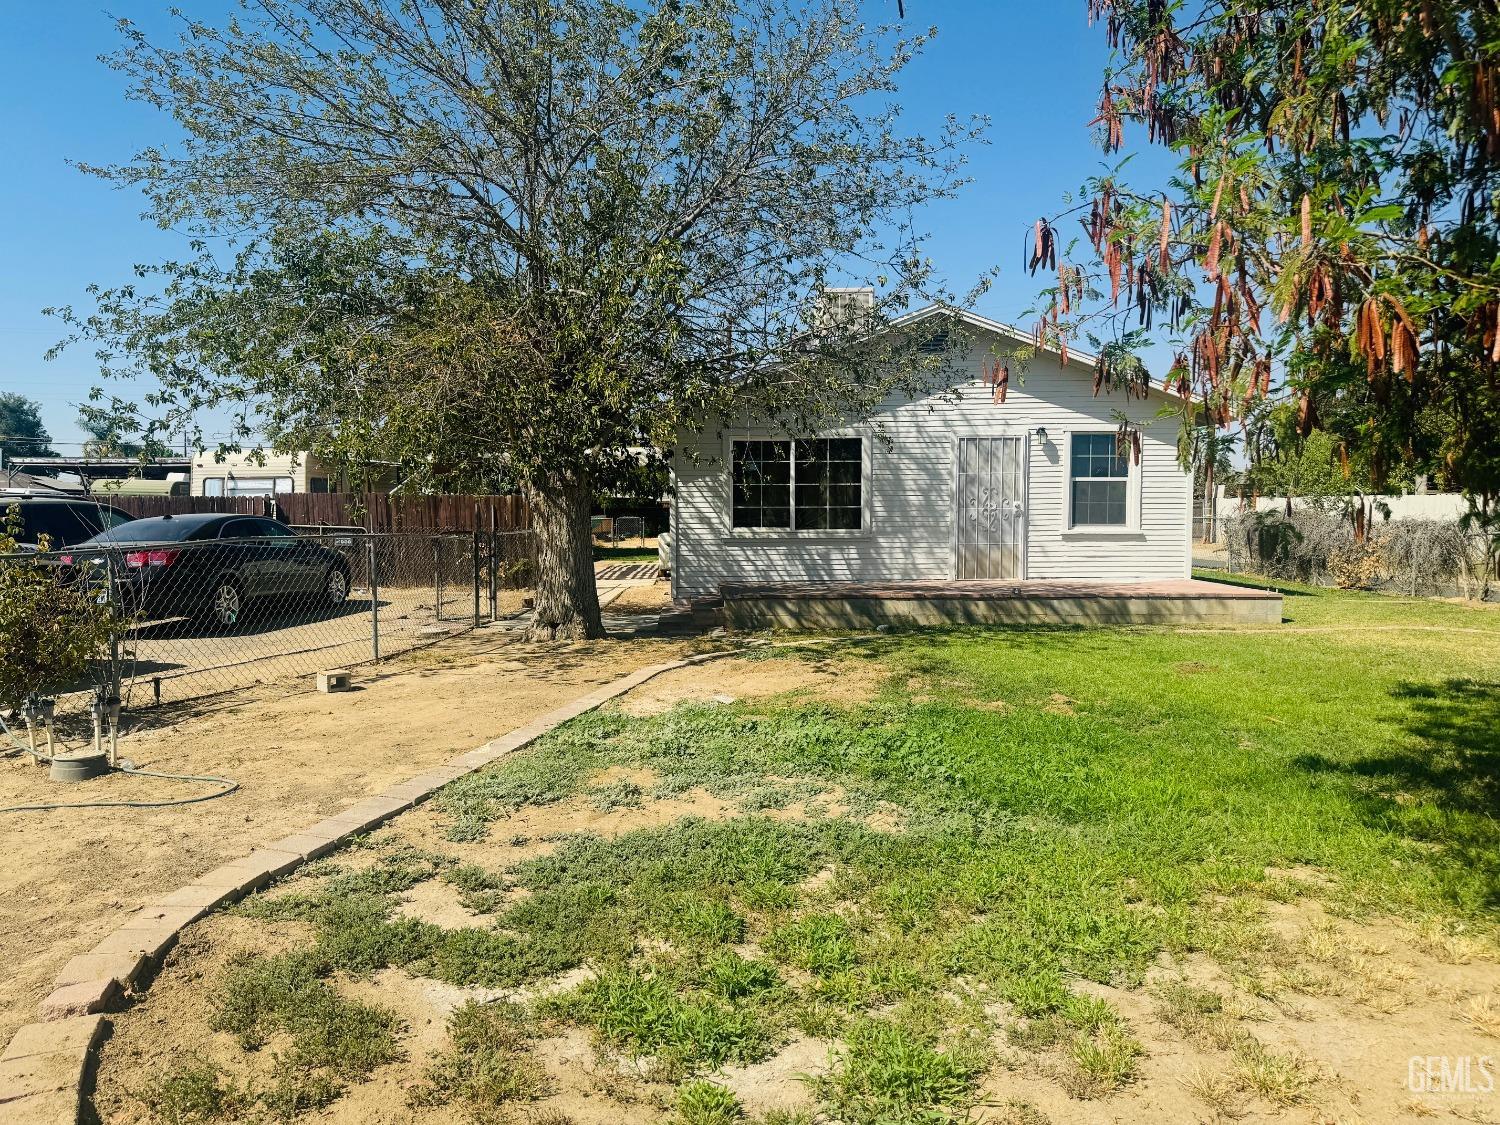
[(43, 1070)]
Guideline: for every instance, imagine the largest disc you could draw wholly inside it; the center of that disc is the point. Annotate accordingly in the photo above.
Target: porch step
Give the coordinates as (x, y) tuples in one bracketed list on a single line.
[(689, 618)]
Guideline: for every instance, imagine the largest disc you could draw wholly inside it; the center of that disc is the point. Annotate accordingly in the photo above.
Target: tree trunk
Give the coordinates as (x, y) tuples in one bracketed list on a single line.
[(567, 601)]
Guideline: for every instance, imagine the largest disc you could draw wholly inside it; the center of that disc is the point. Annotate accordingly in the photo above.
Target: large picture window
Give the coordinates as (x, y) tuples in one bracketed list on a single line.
[(814, 485), (1100, 471)]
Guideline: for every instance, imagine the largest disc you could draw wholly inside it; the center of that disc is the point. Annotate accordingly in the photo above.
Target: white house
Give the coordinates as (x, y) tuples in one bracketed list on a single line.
[(933, 488)]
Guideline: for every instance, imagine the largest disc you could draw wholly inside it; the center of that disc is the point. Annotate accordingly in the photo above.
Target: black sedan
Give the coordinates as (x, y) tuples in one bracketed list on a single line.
[(213, 566)]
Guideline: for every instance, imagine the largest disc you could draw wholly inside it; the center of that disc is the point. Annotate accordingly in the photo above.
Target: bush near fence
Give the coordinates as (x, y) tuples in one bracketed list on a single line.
[(1318, 547)]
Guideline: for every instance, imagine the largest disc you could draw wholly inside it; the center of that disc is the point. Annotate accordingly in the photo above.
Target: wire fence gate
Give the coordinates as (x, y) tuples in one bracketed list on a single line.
[(202, 618)]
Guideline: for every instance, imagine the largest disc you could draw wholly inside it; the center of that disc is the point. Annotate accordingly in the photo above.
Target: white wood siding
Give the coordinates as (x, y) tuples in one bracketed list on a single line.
[(910, 502)]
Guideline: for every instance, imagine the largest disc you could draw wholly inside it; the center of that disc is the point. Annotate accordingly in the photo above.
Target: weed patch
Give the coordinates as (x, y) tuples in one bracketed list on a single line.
[(649, 1015), (486, 1065)]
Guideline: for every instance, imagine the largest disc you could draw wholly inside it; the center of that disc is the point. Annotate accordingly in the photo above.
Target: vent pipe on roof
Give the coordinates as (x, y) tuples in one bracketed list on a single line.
[(842, 307)]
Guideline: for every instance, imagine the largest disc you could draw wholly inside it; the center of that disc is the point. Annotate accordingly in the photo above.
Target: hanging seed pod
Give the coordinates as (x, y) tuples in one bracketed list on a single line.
[(1215, 244), (1306, 222), (1164, 256), (1002, 383)]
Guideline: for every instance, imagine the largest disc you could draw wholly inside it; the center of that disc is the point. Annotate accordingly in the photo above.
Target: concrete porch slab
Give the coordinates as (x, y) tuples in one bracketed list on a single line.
[(860, 605)]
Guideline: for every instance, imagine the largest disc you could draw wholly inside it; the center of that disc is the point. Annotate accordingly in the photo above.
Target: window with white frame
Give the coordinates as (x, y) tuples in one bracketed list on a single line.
[(812, 485), (260, 486), (1100, 473), (213, 486)]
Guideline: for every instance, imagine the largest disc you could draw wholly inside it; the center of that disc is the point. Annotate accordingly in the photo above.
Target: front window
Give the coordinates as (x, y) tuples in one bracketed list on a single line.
[(259, 486), (213, 486), (813, 485), (1099, 471)]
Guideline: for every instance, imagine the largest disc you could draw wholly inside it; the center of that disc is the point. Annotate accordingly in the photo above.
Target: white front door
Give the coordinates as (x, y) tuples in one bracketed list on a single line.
[(990, 508)]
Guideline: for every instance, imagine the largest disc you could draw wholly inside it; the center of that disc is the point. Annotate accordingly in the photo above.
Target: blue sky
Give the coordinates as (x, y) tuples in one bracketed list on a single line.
[(1034, 68)]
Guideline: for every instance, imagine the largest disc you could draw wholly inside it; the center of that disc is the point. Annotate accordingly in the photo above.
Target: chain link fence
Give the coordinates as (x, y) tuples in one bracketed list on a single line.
[(200, 618)]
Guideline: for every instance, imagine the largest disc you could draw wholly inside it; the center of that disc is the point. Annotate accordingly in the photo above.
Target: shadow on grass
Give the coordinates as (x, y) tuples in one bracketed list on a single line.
[(1256, 582), (1442, 787)]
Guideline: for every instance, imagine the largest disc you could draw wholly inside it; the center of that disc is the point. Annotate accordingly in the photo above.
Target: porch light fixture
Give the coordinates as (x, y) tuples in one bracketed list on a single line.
[(1041, 434)]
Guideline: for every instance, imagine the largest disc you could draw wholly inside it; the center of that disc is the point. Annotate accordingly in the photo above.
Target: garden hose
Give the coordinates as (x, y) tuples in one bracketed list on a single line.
[(228, 786)]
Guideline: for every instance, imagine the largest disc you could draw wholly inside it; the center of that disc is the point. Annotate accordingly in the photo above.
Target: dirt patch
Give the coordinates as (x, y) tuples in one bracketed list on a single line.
[(651, 597), (536, 830), (590, 1088), (831, 679), (67, 876), (1194, 667), (438, 902), (780, 1082), (1058, 704), (171, 1019), (1321, 1026)]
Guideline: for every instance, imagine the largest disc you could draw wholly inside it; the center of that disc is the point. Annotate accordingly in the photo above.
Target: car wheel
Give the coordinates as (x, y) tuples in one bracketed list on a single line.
[(336, 587), (225, 605)]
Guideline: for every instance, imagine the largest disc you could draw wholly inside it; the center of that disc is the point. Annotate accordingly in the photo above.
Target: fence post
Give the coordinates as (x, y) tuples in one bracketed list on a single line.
[(437, 578), (475, 548), (494, 567), (374, 599)]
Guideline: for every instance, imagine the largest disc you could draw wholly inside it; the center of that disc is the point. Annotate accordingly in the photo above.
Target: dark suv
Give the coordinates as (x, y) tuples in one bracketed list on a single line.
[(63, 519), (211, 566)]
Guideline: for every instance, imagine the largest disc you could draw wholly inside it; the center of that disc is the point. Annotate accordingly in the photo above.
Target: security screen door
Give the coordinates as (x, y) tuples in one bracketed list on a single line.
[(991, 508)]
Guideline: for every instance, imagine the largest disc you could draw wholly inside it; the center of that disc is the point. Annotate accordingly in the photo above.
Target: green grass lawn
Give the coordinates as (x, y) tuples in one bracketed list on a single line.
[(1067, 805), (625, 554)]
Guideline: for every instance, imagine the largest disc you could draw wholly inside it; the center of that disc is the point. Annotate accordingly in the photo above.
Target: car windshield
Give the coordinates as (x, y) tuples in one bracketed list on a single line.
[(151, 531)]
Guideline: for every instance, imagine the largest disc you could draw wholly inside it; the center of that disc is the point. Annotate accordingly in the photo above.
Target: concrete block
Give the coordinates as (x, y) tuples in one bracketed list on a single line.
[(156, 916), (39, 1074), (122, 967), (308, 845), (475, 759), (275, 861), (375, 811), (205, 898), (148, 943), (56, 1107), (78, 1035), (80, 999), (334, 679), (435, 779), (415, 790)]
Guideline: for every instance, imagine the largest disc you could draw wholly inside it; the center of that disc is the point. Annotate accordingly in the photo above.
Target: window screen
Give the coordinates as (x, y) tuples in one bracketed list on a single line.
[(1099, 472), (805, 485)]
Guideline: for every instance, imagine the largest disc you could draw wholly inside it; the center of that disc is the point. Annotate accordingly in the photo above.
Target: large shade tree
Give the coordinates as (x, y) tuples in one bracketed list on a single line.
[(22, 432), (1329, 244), (519, 240)]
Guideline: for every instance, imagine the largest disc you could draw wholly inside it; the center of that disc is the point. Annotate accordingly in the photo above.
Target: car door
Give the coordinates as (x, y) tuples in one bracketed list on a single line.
[(299, 562), (257, 564)]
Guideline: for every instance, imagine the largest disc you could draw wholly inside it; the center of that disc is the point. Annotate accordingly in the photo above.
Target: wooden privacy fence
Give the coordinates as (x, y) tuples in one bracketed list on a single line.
[(374, 511), (380, 511), (142, 507)]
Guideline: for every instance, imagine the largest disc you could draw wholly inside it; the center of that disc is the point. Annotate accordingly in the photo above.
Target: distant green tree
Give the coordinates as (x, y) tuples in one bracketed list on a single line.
[(21, 430), (115, 429)]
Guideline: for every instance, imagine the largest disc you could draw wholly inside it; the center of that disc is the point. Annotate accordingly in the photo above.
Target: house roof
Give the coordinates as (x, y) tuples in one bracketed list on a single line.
[(15, 479), (1009, 331)]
